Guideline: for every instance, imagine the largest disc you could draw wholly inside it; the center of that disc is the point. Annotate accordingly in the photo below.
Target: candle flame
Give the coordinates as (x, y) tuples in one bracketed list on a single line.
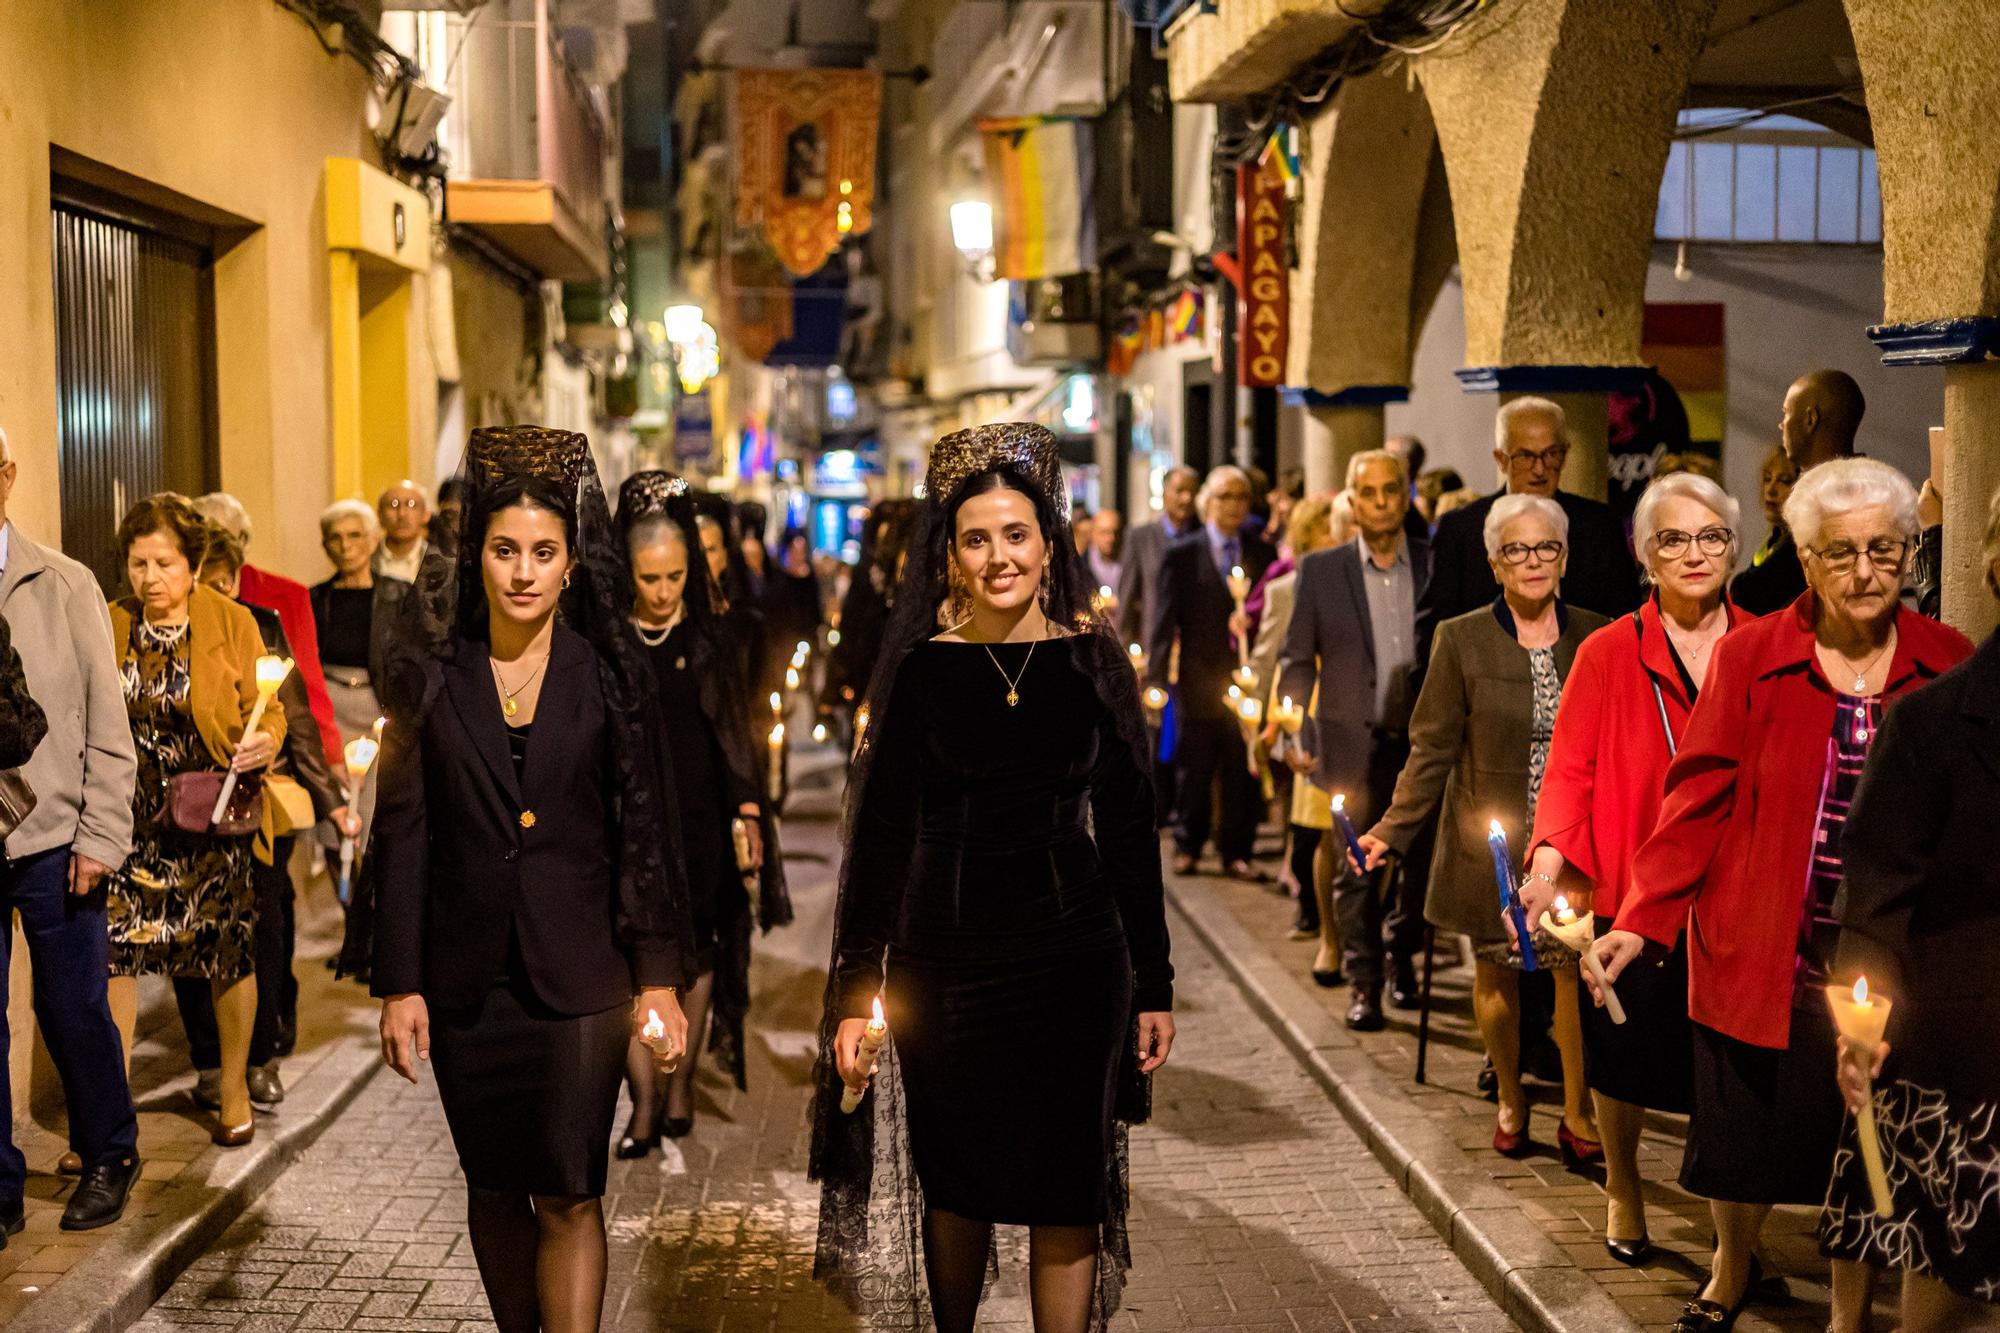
[(1104, 591), (833, 638), (361, 753), (1249, 709), (1235, 692), (777, 735), (777, 702), (1286, 703), (1493, 829), (819, 731), (654, 1029), (879, 1018), (791, 678), (1135, 650), (1861, 990), (1236, 571), (803, 648), (380, 723), (1339, 801), (271, 672), (1561, 904)]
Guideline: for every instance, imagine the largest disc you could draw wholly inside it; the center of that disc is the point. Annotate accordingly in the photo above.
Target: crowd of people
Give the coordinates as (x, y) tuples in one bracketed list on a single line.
[(547, 738)]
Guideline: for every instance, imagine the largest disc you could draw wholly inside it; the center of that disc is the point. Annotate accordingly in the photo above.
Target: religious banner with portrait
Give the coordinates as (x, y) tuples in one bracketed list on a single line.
[(805, 158)]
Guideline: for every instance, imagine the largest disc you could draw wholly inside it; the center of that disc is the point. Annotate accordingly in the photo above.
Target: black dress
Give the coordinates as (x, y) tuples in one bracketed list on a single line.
[(1007, 865)]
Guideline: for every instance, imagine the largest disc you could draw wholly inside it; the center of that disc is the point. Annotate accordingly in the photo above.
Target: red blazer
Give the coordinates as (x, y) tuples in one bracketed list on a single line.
[(293, 603), (1730, 856), (1607, 763)]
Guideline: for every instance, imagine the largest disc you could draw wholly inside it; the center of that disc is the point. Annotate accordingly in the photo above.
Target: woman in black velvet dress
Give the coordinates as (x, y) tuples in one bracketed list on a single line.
[(697, 670), (1001, 891)]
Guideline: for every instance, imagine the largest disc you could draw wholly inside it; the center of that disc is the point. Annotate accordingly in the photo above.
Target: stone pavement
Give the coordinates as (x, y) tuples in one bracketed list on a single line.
[(1562, 1209), (1255, 1205)]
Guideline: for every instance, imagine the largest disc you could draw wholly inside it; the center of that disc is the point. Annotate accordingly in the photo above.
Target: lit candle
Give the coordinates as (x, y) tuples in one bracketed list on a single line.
[(1289, 716), (1138, 656), (1106, 600), (865, 1056), (792, 677), (1156, 699), (654, 1030), (1250, 709), (819, 732), (1575, 931), (833, 638), (777, 703), (802, 649), (1862, 1019), (777, 760), (860, 725), (271, 673), (1239, 589), (1510, 896), (360, 755), (1244, 676), (1347, 832)]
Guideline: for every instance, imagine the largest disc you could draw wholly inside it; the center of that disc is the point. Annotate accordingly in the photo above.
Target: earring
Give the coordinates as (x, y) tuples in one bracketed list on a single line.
[(566, 577)]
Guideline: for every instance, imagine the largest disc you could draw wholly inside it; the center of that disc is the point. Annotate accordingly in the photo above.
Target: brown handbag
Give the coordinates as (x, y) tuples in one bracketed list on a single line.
[(191, 799)]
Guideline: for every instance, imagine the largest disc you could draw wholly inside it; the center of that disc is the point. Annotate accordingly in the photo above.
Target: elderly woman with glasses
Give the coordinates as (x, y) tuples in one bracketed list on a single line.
[(1479, 743), (1624, 712), (1746, 859)]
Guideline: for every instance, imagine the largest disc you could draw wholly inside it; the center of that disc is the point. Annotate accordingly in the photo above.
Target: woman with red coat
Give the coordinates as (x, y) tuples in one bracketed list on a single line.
[(1746, 858), (1623, 713)]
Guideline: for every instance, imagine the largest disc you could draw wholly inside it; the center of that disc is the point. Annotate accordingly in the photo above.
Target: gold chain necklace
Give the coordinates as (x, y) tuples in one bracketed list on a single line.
[(507, 704), (1013, 685)]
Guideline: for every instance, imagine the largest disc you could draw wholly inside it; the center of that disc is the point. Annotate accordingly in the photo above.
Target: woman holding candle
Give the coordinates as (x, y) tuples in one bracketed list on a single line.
[(695, 665), (1479, 744), (1746, 859), (1001, 891), (1624, 710), (528, 868), (1919, 923), (184, 904)]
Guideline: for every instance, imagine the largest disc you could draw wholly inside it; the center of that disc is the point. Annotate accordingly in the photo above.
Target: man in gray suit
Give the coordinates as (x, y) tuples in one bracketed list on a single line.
[(1146, 548), (1354, 635)]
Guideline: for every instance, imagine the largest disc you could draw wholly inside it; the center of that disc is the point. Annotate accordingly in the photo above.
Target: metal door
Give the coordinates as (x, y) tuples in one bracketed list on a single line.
[(135, 374)]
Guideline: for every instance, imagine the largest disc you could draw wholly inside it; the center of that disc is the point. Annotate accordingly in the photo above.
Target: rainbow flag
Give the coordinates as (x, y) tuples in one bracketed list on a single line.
[(1185, 319), (1278, 151), (1041, 170)]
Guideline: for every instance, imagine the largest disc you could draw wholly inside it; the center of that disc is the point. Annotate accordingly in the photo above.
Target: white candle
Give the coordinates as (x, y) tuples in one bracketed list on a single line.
[(1576, 933), (866, 1055), (1250, 709), (1289, 715), (777, 742), (1862, 1019), (271, 673), (1156, 698)]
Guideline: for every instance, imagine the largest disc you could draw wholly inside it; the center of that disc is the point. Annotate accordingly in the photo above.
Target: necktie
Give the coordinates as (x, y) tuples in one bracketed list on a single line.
[(1229, 555)]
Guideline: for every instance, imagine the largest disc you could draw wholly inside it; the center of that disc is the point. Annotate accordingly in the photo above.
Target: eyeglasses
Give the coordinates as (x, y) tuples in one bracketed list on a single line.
[(1517, 553), (1883, 553), (1547, 460), (404, 502), (1673, 543)]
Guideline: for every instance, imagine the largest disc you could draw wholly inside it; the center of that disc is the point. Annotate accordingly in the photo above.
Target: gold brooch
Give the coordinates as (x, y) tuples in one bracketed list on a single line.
[(527, 819)]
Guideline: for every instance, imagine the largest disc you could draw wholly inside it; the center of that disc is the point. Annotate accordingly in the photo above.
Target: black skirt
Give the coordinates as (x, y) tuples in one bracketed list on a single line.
[(1649, 1059), (529, 1093), (1765, 1123)]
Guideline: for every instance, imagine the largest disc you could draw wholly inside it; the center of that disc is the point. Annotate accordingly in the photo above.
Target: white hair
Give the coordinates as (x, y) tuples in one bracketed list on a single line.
[(224, 508), (1367, 456), (1689, 486), (343, 509), (1510, 507), (1216, 480), (1844, 485), (1528, 406)]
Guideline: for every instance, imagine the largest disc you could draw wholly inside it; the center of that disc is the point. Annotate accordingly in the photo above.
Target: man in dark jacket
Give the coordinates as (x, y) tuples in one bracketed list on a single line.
[(1817, 424)]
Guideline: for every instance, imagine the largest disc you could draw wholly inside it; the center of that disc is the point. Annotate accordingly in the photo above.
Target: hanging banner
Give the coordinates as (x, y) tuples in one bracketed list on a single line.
[(805, 158), (1263, 282), (1041, 170)]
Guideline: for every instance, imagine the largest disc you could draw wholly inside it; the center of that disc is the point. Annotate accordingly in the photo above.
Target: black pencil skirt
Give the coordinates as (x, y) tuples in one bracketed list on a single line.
[(1765, 1123), (1647, 1060), (530, 1094)]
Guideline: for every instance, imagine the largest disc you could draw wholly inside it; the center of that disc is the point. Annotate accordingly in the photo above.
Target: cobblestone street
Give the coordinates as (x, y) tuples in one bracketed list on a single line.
[(1255, 1205)]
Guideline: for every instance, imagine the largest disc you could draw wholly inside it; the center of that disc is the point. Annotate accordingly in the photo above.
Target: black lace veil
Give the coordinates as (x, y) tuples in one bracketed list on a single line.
[(554, 468), (870, 1246)]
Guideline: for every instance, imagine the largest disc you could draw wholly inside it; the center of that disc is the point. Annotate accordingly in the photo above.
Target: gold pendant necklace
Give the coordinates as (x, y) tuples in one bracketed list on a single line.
[(507, 704), (1013, 685)]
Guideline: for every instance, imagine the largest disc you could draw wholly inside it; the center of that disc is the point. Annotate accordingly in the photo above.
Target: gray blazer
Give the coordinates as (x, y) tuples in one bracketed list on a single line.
[(1331, 630), (84, 769), (1139, 582), (1469, 743)]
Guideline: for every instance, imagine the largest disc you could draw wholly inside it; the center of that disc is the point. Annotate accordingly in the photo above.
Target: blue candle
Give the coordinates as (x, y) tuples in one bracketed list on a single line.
[(1347, 831), (1510, 897)]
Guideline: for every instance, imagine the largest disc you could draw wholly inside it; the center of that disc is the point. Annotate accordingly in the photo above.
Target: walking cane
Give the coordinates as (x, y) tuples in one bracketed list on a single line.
[(1424, 1001)]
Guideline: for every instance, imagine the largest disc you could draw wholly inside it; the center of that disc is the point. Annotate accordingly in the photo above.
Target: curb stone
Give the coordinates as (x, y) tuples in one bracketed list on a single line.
[(119, 1281), (1527, 1274)]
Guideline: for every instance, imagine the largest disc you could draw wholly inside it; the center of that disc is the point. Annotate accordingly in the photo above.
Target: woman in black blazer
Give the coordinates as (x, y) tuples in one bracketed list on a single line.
[(514, 929)]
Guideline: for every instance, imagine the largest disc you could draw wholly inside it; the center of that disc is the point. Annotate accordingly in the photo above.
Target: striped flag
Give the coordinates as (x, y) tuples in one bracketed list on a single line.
[(1278, 151), (1042, 171)]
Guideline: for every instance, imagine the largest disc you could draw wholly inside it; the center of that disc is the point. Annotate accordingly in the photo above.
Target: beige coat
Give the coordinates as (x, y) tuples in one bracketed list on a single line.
[(1469, 742)]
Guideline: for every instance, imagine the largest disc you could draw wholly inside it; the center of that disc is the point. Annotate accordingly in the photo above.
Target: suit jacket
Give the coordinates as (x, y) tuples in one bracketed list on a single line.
[(1191, 607), (1772, 583), (1469, 743), (1139, 579), (289, 598), (1602, 575), (1332, 644), (527, 863), (1921, 916)]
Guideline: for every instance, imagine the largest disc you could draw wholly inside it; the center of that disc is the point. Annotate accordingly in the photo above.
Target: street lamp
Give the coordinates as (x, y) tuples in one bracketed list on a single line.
[(972, 236)]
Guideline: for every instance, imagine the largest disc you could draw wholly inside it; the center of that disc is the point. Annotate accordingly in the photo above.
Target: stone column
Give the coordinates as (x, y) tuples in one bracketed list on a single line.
[(1971, 476), (1588, 469), (1339, 426)]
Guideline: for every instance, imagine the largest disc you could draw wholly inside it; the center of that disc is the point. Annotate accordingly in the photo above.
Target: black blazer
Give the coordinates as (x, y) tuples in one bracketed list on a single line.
[(1774, 584), (528, 863), (1602, 575), (1192, 605), (1331, 644), (1920, 914)]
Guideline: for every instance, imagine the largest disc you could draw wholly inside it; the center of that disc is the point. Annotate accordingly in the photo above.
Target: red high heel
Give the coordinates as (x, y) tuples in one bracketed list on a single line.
[(1578, 1151), (1511, 1143)]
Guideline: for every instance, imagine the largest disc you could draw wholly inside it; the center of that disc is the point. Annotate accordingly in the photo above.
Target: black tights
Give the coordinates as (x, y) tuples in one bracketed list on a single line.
[(646, 1081), (541, 1258), (1062, 1272)]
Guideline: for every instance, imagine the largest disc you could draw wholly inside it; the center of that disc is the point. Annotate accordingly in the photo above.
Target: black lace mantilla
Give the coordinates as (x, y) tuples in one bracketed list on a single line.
[(870, 1246)]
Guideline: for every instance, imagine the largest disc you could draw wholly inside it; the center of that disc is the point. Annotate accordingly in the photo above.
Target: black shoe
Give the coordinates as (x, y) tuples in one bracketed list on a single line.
[(1403, 991), (677, 1127), (1305, 924), (1365, 1013), (13, 1216), (101, 1194), (1328, 978), (266, 1088), (1631, 1253), (1704, 1316), (631, 1150)]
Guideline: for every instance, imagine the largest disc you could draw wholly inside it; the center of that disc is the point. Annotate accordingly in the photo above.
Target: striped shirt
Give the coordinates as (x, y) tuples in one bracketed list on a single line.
[(1855, 722)]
